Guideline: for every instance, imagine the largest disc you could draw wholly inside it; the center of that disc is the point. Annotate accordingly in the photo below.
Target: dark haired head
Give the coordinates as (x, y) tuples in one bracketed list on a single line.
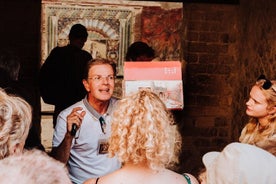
[(10, 63), (140, 51), (78, 31)]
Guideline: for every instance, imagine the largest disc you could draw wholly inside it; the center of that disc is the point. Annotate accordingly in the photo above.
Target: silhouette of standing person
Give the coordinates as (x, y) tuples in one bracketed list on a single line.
[(61, 74)]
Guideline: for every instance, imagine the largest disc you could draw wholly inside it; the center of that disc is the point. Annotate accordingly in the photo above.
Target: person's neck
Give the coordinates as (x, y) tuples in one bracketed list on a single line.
[(140, 166), (72, 44), (263, 122), (100, 106)]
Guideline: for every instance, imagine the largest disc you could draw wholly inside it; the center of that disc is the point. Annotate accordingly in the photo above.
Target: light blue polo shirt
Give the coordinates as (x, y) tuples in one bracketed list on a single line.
[(85, 161)]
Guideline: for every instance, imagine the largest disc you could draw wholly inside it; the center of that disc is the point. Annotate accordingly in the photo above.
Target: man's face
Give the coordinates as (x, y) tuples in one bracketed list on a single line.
[(100, 83)]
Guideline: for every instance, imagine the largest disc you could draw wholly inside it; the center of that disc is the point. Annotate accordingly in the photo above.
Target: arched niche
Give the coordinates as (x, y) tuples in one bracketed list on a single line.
[(113, 26)]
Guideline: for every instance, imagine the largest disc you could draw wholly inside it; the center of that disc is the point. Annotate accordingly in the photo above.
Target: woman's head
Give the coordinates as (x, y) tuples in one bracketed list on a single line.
[(143, 131), (262, 101), (15, 120), (32, 167)]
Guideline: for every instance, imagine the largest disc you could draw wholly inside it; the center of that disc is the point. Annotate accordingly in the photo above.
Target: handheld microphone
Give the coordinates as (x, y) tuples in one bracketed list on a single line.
[(74, 129)]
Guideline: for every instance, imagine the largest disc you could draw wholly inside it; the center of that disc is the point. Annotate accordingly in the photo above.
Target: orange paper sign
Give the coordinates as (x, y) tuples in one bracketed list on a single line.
[(163, 78), (165, 70)]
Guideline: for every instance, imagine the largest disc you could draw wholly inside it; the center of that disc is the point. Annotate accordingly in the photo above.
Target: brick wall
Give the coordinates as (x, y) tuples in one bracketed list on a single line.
[(225, 48), (209, 50)]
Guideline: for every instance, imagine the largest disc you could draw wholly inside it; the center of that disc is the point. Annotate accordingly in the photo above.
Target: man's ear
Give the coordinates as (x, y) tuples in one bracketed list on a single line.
[(86, 85)]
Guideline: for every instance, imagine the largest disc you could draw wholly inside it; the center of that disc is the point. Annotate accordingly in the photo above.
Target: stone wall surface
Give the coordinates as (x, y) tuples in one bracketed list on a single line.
[(225, 48)]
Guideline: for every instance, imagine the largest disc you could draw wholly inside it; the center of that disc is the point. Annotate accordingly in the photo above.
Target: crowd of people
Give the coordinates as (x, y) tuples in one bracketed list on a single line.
[(133, 140)]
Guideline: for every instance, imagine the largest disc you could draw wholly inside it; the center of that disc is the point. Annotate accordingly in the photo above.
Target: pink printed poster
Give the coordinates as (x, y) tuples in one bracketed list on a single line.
[(163, 78)]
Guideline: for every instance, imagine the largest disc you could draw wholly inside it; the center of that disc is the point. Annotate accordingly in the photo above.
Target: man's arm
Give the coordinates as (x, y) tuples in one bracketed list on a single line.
[(62, 152)]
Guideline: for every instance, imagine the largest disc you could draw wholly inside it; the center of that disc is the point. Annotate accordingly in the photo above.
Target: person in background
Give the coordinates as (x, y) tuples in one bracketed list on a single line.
[(9, 67), (146, 141), (261, 107), (239, 163), (61, 74), (9, 81), (32, 167), (85, 151), (15, 121), (140, 51)]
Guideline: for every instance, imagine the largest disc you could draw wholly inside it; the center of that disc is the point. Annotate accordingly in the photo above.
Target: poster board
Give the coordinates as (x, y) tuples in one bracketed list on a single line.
[(163, 78)]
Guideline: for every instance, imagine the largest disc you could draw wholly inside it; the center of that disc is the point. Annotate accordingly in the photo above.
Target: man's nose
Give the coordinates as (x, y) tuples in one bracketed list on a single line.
[(105, 79)]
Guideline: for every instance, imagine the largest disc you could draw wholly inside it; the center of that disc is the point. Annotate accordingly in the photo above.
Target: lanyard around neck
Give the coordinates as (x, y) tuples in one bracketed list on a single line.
[(103, 124), (95, 114)]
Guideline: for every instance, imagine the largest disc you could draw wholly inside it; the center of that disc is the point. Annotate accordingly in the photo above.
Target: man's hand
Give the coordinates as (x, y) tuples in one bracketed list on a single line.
[(75, 117)]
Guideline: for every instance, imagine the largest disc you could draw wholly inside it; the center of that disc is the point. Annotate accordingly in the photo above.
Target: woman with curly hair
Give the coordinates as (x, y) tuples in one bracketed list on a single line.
[(261, 107), (146, 141), (15, 120)]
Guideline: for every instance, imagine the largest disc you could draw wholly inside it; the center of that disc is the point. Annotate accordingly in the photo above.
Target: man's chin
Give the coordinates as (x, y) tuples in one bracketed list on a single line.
[(105, 97)]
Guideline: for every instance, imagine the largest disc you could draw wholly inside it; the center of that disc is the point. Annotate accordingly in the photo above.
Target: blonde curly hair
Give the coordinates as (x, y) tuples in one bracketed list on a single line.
[(15, 120), (33, 167), (143, 131)]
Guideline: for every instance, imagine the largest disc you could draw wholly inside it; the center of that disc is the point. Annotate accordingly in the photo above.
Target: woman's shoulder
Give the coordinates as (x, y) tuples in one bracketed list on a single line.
[(114, 177), (161, 177), (190, 178), (178, 178)]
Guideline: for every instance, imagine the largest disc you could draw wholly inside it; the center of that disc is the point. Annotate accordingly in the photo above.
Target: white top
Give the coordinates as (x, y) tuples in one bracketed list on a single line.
[(85, 161)]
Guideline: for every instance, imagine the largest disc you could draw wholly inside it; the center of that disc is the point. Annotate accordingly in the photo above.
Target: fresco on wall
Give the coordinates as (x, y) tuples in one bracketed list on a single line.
[(112, 27)]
